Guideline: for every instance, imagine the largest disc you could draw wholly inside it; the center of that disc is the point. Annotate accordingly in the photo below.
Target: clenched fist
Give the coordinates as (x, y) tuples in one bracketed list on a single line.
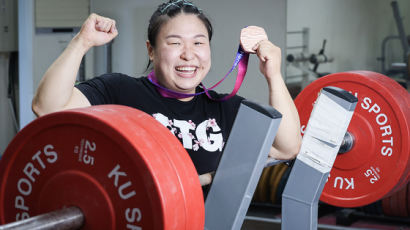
[(97, 31)]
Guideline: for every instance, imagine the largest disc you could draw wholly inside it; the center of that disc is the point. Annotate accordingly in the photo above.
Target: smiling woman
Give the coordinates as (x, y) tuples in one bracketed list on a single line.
[(181, 55), (178, 47)]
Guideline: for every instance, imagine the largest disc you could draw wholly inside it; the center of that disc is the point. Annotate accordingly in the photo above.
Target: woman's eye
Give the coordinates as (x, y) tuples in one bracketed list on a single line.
[(198, 43), (175, 43)]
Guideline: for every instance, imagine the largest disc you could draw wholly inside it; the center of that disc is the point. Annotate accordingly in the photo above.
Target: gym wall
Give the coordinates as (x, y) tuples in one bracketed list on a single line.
[(354, 31), (7, 130), (227, 18), (8, 43)]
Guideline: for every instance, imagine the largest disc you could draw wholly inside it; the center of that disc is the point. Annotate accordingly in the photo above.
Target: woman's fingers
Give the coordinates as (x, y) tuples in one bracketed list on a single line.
[(105, 24), (98, 30), (205, 179), (260, 52), (113, 28), (251, 36), (267, 50), (270, 58)]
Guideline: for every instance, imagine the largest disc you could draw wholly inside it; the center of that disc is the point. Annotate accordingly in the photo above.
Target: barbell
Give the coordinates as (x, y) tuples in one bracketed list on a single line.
[(121, 167), (82, 159), (378, 162), (374, 159)]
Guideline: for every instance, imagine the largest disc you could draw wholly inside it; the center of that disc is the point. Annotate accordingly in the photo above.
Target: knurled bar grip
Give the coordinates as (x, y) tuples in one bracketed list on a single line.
[(64, 219)]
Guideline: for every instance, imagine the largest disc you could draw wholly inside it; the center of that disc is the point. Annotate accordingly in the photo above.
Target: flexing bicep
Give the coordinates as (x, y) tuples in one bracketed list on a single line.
[(77, 100)]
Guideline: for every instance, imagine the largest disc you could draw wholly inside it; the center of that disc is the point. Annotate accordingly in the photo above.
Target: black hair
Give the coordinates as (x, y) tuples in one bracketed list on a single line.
[(168, 10)]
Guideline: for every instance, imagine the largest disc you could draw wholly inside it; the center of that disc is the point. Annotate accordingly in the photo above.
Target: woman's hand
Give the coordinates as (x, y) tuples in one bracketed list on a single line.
[(97, 31), (251, 36), (205, 179), (56, 90), (269, 59), (253, 39), (288, 138)]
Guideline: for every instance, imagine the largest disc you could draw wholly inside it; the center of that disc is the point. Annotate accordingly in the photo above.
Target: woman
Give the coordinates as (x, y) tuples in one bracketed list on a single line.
[(178, 45)]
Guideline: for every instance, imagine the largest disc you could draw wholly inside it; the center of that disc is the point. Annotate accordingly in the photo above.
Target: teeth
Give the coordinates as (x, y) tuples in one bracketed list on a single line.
[(186, 69)]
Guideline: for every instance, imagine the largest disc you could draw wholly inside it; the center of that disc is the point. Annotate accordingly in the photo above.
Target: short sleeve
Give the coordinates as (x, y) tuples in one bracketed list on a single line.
[(102, 89)]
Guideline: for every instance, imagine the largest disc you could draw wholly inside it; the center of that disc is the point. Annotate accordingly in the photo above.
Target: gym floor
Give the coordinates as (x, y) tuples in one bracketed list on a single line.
[(264, 216)]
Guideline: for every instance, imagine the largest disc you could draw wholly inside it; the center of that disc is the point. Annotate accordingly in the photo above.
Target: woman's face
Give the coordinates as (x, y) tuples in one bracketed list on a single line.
[(182, 56)]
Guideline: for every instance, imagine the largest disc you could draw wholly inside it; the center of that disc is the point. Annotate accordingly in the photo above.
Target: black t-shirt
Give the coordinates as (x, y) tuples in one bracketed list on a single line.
[(202, 125)]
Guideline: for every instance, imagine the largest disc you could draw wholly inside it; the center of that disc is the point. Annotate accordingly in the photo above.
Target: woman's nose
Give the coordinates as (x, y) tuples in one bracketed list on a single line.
[(187, 53)]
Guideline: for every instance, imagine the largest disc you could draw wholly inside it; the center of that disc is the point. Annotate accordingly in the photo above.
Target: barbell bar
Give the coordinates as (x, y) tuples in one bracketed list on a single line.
[(121, 167), (64, 219)]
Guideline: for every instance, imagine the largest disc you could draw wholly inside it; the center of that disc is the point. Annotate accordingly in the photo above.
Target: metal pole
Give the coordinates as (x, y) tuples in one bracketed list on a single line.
[(307, 75), (65, 219), (25, 44), (109, 56), (295, 47), (383, 56), (295, 32), (400, 29)]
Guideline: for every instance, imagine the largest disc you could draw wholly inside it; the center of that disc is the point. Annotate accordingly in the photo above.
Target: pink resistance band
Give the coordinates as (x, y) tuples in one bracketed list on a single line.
[(241, 60)]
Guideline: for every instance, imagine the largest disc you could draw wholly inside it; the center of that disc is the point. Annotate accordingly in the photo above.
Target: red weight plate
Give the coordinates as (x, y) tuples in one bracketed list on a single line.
[(273, 179), (262, 191), (408, 199), (402, 202), (275, 182), (281, 186), (177, 155), (386, 204), (378, 164), (105, 160), (394, 205), (192, 203)]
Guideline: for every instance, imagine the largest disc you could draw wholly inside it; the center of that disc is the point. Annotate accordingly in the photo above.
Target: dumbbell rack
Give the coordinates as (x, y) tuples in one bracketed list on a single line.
[(238, 172)]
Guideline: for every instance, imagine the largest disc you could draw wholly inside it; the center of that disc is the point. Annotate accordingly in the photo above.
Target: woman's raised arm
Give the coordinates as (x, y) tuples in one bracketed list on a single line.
[(56, 90)]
